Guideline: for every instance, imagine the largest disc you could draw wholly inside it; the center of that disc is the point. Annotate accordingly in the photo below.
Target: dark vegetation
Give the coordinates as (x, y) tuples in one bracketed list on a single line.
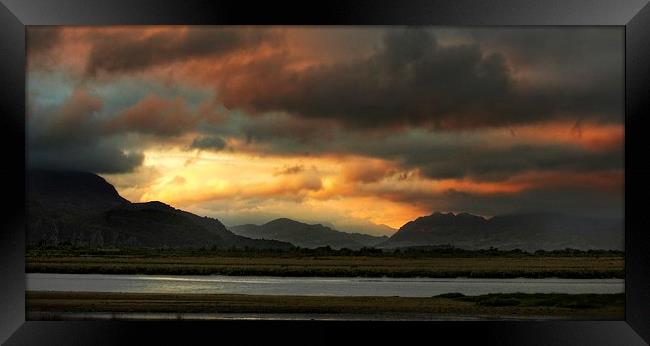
[(560, 300), (327, 262), (518, 305), (68, 249)]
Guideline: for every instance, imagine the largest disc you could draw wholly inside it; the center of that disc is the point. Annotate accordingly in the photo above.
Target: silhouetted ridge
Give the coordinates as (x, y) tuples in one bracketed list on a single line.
[(306, 235), (82, 208), (72, 189), (529, 231), (284, 222)]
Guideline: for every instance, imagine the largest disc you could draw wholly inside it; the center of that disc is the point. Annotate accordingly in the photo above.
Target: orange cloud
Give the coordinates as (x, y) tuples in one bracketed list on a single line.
[(77, 108), (611, 180), (478, 187), (585, 134), (155, 115), (366, 170)]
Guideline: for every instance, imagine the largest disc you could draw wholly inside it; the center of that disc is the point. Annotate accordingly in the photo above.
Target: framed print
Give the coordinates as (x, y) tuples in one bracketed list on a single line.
[(472, 170)]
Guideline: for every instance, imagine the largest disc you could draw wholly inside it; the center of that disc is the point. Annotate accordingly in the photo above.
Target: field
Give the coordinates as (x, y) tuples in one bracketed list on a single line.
[(46, 305), (608, 266)]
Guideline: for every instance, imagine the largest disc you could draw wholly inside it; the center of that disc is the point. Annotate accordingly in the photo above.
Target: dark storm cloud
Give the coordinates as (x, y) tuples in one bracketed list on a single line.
[(123, 52), (97, 157), (208, 143), (413, 80), (437, 154), (588, 60), (468, 160), (289, 131), (584, 62), (72, 137), (499, 163), (566, 200), (577, 51)]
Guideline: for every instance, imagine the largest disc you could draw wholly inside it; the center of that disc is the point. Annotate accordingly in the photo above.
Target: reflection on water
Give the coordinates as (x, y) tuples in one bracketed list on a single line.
[(164, 316), (411, 287)]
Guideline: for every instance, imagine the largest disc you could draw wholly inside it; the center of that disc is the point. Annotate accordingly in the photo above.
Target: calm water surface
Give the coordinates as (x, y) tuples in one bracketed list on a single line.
[(163, 316), (411, 287)]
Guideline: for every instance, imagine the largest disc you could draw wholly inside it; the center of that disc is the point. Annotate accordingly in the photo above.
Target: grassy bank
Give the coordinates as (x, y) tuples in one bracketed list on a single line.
[(580, 306), (297, 252), (342, 266)]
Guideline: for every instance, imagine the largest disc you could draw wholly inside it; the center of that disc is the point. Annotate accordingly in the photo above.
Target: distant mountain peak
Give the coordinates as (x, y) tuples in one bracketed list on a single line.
[(306, 235), (284, 221)]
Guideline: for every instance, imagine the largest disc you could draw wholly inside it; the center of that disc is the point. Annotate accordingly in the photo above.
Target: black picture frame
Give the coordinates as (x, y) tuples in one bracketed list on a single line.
[(634, 15)]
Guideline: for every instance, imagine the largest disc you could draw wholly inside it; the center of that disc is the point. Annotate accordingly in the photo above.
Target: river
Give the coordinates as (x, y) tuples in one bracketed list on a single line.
[(318, 286)]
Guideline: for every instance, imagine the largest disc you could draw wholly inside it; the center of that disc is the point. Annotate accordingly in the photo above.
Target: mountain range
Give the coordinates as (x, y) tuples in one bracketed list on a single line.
[(306, 235), (82, 208), (529, 232)]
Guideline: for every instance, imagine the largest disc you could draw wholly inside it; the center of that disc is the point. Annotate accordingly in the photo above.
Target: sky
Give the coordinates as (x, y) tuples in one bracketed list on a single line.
[(363, 128)]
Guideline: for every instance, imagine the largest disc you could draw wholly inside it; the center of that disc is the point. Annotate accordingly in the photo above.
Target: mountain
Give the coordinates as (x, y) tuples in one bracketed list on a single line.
[(365, 228), (82, 208), (530, 232), (306, 235)]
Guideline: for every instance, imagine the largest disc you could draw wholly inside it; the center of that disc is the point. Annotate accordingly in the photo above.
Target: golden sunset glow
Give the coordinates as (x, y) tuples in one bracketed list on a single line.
[(353, 126)]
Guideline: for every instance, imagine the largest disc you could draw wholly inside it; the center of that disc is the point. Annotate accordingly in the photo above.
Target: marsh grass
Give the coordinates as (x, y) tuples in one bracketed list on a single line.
[(330, 266), (559, 300)]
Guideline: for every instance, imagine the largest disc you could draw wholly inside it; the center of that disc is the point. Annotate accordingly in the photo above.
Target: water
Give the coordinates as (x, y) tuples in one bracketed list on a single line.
[(167, 316), (263, 285)]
